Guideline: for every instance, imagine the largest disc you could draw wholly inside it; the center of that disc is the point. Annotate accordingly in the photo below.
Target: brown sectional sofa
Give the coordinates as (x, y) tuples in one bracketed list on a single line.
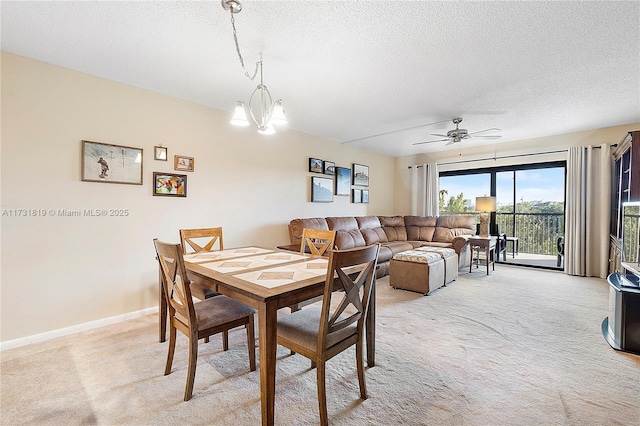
[(395, 234)]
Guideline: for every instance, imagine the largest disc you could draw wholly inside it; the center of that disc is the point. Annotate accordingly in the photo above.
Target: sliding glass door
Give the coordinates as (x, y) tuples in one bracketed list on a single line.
[(530, 203)]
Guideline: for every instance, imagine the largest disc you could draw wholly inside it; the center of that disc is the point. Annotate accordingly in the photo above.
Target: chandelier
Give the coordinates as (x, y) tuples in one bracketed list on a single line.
[(265, 113)]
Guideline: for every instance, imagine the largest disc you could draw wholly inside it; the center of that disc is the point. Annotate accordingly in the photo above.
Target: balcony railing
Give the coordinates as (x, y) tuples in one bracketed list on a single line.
[(537, 232)]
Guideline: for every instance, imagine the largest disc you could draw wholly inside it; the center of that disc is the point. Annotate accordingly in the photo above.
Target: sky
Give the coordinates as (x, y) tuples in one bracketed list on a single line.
[(532, 185)]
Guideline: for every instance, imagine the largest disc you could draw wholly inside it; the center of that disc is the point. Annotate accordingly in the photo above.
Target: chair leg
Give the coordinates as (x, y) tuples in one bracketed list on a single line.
[(206, 339), (225, 340), (322, 393), (251, 343), (360, 365), (172, 348), (191, 370)]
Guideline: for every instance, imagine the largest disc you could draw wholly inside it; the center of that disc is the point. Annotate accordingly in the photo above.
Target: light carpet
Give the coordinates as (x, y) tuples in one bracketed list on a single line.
[(518, 347)]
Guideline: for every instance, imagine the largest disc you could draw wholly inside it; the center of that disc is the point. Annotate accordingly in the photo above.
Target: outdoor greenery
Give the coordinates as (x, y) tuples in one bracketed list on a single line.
[(538, 225)]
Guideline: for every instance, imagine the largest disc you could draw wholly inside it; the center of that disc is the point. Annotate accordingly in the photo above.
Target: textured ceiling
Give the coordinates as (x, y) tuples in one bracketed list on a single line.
[(350, 69)]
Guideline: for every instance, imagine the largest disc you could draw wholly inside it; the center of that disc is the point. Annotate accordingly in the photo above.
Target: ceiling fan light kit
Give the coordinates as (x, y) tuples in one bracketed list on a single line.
[(267, 113)]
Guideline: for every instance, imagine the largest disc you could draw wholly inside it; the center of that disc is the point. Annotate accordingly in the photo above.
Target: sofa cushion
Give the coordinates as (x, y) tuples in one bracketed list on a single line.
[(297, 225), (385, 254), (449, 227), (398, 246), (371, 229), (347, 233), (420, 228), (393, 227)]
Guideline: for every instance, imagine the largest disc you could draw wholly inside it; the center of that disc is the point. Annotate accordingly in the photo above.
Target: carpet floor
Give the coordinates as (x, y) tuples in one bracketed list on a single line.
[(518, 347)]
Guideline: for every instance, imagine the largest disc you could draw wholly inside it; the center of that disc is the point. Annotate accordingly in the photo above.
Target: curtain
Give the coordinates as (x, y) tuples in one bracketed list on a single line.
[(588, 211), (425, 189)]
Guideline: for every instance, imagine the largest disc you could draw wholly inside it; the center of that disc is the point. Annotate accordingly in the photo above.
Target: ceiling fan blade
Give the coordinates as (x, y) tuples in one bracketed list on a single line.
[(438, 134), (493, 129), (439, 140), (451, 142)]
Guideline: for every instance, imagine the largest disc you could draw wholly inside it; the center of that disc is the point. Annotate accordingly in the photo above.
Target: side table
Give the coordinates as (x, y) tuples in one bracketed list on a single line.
[(514, 247), (488, 244)]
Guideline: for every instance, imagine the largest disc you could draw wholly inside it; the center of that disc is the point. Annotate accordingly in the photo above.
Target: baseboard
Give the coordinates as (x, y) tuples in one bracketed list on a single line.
[(41, 337)]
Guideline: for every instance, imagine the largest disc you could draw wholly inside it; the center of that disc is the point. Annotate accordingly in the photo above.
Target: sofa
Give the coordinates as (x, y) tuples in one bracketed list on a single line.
[(394, 233)]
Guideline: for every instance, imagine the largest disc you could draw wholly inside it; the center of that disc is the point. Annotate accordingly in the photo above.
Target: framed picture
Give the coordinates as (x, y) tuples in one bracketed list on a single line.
[(360, 175), (329, 168), (108, 163), (315, 165), (160, 153), (321, 189), (365, 195), (182, 163), (343, 181), (169, 184), (357, 196)]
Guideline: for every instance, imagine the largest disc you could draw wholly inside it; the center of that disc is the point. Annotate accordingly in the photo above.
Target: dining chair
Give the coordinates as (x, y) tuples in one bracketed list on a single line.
[(200, 319), (320, 333), (319, 241), (203, 240)]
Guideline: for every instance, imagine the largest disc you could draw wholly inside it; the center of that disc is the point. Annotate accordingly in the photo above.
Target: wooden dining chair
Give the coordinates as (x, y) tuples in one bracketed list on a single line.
[(319, 241), (203, 240), (320, 333), (200, 319)]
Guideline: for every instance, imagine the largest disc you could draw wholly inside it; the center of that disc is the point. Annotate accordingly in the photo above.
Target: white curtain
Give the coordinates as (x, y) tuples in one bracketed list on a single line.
[(424, 190), (588, 211)]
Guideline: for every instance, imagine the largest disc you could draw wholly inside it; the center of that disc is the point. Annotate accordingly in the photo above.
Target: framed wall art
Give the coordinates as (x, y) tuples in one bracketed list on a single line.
[(169, 184), (329, 168), (315, 165), (365, 195), (360, 175), (183, 164), (356, 197), (343, 181), (108, 163), (321, 189), (160, 153)]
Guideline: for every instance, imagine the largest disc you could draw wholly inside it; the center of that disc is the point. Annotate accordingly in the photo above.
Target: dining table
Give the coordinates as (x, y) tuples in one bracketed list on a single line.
[(267, 280)]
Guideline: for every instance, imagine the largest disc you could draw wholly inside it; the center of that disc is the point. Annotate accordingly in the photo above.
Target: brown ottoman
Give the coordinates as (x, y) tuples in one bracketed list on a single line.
[(450, 261), (417, 271)]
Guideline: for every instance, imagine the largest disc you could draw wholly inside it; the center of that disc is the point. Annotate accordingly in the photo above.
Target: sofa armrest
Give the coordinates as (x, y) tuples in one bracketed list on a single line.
[(460, 242)]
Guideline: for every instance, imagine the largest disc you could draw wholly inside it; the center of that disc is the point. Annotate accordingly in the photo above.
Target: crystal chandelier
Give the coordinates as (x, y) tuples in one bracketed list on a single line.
[(265, 113)]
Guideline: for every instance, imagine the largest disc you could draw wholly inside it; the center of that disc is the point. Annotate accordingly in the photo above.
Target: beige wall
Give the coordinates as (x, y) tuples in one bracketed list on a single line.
[(58, 272), (514, 150)]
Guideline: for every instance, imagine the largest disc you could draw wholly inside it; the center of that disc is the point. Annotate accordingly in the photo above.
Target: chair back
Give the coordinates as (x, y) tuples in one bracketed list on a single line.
[(175, 283), (318, 241), (203, 239), (357, 291)]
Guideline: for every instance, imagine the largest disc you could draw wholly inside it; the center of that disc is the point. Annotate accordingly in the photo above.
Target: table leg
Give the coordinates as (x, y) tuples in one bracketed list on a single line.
[(487, 254), (371, 327), (162, 310), (267, 331)]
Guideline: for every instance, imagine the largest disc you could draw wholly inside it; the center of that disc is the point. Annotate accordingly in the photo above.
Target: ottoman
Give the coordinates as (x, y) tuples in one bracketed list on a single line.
[(450, 261), (415, 270)]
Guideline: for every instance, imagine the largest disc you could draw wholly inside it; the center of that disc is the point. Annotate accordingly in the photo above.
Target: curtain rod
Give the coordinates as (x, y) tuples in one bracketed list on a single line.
[(504, 156)]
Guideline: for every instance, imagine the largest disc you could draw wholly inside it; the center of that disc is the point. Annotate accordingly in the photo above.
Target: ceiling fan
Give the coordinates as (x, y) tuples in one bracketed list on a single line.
[(457, 134)]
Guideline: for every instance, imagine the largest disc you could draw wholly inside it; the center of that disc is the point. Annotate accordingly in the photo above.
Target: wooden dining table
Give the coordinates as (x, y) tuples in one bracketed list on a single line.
[(267, 280)]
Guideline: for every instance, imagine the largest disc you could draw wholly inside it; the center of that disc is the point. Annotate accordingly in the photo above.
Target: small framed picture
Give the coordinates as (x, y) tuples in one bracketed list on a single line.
[(365, 195), (169, 184), (108, 163), (321, 189), (360, 175), (329, 168), (160, 153), (315, 165), (343, 181), (182, 163), (356, 196)]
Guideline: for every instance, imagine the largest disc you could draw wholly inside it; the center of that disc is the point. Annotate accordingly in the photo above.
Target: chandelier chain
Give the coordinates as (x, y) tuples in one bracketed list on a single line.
[(235, 38)]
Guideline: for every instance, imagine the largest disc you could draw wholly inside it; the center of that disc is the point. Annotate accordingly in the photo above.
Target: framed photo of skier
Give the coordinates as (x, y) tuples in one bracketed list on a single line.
[(109, 163)]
